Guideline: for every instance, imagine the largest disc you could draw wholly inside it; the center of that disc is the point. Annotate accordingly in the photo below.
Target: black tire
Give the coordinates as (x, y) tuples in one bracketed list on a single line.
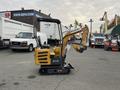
[(92, 46), (13, 50), (106, 49), (30, 49)]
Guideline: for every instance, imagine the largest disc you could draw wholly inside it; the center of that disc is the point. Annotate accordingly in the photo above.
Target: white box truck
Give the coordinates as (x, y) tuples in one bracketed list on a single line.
[(18, 35), (9, 28)]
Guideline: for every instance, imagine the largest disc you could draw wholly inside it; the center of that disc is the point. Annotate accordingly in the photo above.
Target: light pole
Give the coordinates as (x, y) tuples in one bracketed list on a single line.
[(91, 21)]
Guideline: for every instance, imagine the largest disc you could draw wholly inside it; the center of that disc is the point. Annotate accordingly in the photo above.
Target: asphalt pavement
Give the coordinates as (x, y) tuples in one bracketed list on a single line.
[(95, 69)]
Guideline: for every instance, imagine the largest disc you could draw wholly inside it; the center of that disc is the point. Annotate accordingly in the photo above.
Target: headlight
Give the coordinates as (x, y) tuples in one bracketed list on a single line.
[(113, 44)]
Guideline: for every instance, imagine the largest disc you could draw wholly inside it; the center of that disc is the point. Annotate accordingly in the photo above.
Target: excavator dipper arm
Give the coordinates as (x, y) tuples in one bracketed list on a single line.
[(79, 47)]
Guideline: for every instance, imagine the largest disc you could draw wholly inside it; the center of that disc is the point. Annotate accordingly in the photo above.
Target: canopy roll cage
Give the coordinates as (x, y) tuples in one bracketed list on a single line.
[(49, 20)]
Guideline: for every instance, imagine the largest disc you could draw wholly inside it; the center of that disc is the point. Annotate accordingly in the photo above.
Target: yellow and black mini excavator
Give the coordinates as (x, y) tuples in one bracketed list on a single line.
[(52, 58)]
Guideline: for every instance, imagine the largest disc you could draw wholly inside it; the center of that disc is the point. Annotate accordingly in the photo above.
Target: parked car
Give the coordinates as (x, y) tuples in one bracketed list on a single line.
[(112, 43)]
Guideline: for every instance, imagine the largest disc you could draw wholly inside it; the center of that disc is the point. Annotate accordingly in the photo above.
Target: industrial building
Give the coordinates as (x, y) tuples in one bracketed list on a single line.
[(28, 16)]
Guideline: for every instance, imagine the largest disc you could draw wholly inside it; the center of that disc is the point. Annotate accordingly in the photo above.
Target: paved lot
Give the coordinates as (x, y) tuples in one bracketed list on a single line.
[(95, 69)]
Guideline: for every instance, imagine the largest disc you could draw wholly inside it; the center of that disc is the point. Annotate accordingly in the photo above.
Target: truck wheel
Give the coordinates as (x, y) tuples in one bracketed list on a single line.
[(106, 48), (30, 49), (13, 50), (92, 46)]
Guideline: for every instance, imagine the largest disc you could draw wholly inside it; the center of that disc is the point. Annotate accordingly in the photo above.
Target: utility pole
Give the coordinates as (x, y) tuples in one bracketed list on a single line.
[(101, 28), (91, 21), (106, 21), (90, 34)]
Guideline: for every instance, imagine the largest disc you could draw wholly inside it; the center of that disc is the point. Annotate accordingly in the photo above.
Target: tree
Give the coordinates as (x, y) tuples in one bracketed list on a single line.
[(70, 26), (76, 23), (80, 25)]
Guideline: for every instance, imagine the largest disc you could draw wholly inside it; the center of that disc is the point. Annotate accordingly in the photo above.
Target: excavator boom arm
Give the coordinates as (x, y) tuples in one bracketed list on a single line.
[(66, 38)]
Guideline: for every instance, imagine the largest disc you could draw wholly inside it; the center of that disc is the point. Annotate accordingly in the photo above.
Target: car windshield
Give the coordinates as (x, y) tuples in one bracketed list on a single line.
[(98, 35), (24, 35)]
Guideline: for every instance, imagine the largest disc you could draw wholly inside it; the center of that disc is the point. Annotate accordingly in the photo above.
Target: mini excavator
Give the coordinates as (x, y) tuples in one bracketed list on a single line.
[(52, 58)]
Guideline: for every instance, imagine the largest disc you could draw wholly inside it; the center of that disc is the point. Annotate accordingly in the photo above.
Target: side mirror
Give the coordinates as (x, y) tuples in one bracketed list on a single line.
[(16, 36)]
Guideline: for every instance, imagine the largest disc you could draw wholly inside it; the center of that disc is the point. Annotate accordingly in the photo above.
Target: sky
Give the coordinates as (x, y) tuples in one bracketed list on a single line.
[(68, 10)]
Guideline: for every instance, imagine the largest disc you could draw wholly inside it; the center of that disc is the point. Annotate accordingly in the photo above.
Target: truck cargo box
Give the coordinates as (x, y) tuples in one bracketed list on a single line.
[(10, 28)]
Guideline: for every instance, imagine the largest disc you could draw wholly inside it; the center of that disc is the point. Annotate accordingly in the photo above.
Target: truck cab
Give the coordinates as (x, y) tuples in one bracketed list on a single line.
[(97, 39), (26, 40)]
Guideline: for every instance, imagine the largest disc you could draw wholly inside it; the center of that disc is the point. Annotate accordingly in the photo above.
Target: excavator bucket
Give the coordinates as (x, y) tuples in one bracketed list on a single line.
[(80, 47)]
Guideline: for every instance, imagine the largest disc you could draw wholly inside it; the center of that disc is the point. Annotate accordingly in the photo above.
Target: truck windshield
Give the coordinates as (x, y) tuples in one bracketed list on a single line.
[(98, 35), (24, 35)]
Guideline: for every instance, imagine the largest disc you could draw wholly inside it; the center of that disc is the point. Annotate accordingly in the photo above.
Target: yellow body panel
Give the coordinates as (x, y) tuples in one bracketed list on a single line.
[(76, 46), (42, 56), (57, 51)]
